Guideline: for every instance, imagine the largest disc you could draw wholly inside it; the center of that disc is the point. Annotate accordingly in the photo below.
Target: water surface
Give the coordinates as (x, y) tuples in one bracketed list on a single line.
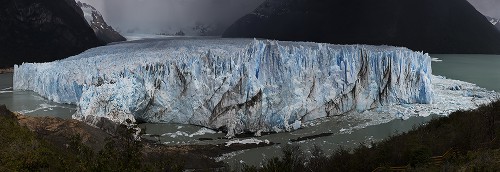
[(29, 102), (483, 70)]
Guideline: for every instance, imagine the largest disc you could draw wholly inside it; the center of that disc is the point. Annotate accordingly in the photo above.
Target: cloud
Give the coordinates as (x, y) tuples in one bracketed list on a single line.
[(164, 14), (487, 7), (171, 13)]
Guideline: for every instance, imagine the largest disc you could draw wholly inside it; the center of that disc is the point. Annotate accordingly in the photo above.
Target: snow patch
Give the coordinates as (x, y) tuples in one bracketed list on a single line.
[(1, 92), (8, 88), (203, 131), (247, 141), (434, 59), (200, 132), (229, 155), (44, 107)]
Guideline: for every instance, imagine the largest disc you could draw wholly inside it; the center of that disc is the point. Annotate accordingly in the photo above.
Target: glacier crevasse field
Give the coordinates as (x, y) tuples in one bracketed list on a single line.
[(237, 85)]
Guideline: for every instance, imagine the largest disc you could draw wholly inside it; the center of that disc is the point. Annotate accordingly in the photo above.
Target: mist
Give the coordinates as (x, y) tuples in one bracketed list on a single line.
[(161, 15), (155, 16), (489, 8)]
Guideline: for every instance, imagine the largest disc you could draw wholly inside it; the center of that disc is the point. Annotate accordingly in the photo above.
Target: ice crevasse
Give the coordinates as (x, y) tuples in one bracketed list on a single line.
[(238, 85)]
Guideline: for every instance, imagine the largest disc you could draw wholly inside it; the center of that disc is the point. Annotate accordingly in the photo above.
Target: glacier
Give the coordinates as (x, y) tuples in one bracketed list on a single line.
[(235, 85)]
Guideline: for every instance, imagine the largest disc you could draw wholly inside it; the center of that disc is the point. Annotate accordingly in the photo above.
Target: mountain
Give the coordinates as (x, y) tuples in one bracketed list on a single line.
[(103, 31), (42, 30), (494, 21), (434, 26), (193, 29)]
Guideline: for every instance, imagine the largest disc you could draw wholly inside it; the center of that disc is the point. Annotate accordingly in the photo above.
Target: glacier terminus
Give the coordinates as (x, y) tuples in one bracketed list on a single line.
[(235, 85)]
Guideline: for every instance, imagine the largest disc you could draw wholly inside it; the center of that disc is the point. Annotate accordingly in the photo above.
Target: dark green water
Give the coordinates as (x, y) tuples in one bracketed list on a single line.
[(30, 103), (483, 70)]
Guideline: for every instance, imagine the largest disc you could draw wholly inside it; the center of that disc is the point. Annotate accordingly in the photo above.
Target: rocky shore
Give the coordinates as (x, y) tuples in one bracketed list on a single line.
[(60, 133), (7, 70)]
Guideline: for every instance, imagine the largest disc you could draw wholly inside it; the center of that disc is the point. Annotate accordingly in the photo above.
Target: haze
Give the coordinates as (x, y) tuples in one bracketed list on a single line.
[(173, 15), (489, 8)]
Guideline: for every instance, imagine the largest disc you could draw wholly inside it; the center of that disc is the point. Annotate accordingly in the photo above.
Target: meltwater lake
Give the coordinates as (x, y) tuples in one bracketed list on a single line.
[(29, 102), (483, 70)]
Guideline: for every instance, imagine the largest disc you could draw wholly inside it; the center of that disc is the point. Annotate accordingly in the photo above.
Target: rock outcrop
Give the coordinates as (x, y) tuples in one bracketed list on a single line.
[(104, 32), (42, 30)]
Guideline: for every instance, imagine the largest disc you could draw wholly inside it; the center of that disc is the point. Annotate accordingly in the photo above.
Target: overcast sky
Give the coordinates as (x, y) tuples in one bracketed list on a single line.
[(161, 13), (164, 13), (487, 7)]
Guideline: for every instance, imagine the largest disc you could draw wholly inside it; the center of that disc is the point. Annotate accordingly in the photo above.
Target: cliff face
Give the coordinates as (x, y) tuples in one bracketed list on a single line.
[(434, 26), (102, 30), (42, 30), (237, 85)]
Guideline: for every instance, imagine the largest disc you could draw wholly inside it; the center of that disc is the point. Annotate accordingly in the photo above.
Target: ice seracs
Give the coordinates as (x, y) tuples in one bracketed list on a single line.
[(237, 85)]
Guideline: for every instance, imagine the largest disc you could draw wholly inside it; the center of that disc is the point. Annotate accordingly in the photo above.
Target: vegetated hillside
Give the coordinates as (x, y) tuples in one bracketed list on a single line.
[(469, 141), (434, 26), (53, 144), (42, 30)]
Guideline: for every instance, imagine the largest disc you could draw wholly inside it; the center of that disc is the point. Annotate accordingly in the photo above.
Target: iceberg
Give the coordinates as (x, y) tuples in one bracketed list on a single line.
[(235, 85)]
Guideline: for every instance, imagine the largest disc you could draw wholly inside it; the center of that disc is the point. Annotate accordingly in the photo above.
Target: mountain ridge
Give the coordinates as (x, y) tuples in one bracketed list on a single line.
[(445, 26), (494, 21), (41, 31), (103, 31)]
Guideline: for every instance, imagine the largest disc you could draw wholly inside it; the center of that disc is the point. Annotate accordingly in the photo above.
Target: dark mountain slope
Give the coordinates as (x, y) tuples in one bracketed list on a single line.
[(494, 21), (102, 30), (434, 26), (42, 30)]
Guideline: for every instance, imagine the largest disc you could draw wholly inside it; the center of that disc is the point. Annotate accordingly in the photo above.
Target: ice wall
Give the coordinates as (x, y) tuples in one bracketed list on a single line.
[(238, 85)]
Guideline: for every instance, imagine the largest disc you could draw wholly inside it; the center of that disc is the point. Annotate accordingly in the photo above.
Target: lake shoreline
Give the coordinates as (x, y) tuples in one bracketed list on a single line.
[(60, 133), (463, 141), (6, 70)]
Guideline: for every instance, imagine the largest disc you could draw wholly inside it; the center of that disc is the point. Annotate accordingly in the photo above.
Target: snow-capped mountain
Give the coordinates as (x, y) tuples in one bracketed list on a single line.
[(168, 17), (103, 31), (494, 21)]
